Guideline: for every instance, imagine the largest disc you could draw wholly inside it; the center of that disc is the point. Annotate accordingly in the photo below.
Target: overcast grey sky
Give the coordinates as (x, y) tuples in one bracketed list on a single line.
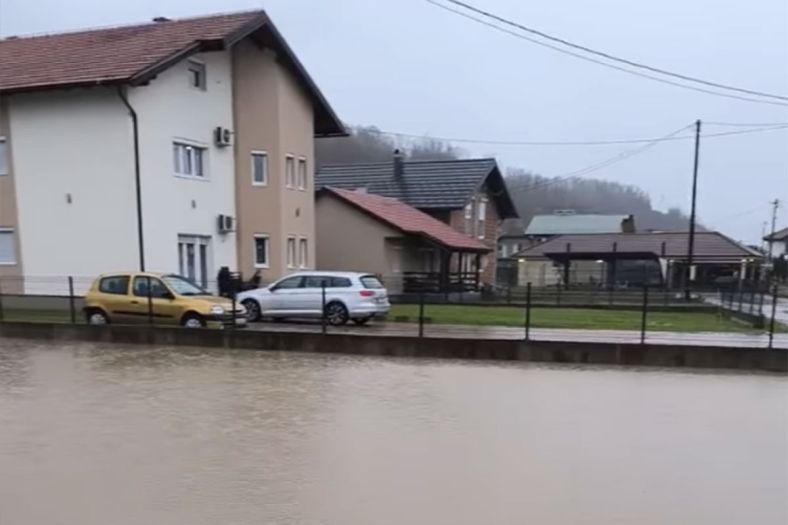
[(407, 66)]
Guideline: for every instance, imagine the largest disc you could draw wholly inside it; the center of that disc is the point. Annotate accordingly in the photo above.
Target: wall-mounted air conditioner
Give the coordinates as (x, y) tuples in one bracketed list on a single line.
[(222, 137), (226, 224)]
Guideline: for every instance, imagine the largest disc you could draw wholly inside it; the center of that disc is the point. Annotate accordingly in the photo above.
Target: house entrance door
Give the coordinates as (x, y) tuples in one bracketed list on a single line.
[(194, 261)]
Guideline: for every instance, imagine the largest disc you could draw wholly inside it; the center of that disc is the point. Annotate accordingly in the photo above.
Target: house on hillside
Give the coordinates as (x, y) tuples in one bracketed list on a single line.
[(201, 129), (634, 259), (778, 243), (469, 195), (359, 231), (544, 227)]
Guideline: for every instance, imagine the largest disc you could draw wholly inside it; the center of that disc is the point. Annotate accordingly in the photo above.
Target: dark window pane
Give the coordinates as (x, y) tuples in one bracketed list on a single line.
[(371, 282), (290, 283), (340, 282), (114, 285)]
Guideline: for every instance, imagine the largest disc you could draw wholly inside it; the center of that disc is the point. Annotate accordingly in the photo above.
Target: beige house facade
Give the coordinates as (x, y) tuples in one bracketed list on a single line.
[(180, 146)]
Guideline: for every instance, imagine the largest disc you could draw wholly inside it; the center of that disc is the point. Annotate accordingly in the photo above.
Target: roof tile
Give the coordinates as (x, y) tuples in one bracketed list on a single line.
[(409, 220)]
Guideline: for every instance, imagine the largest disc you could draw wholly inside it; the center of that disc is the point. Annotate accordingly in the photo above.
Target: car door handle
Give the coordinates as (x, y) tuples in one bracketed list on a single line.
[(135, 302)]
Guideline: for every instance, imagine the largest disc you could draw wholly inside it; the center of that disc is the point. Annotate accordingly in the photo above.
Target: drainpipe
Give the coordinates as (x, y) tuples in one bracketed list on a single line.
[(137, 181)]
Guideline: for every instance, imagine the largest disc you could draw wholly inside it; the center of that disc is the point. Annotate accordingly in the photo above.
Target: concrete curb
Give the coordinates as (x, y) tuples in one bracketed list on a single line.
[(732, 358)]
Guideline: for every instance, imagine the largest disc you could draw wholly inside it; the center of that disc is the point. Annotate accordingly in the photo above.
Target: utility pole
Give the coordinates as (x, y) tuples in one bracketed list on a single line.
[(691, 243), (775, 205)]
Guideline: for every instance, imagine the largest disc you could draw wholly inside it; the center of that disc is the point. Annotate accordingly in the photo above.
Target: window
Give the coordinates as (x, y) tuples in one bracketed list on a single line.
[(371, 282), (182, 286), (3, 156), (196, 74), (143, 284), (340, 282), (7, 247), (194, 258), (481, 215), (189, 160), (289, 283), (301, 173), (259, 168), (291, 252), (316, 281), (261, 251), (303, 259), (290, 171), (469, 218), (118, 285)]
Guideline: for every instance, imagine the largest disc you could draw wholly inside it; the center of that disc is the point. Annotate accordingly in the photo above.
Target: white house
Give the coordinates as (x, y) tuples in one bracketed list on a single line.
[(178, 146)]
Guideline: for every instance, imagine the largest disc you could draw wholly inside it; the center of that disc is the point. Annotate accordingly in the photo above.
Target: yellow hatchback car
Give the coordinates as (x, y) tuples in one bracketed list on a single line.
[(132, 298)]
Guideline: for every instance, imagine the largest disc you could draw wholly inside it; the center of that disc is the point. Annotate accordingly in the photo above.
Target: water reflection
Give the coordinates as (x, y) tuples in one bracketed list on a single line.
[(127, 435)]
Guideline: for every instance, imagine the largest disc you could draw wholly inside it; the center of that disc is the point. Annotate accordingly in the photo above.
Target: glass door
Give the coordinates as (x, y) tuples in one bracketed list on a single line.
[(194, 258)]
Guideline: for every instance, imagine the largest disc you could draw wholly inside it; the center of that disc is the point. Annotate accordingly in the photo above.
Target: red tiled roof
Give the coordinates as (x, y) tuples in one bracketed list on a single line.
[(135, 54), (409, 220), (109, 55)]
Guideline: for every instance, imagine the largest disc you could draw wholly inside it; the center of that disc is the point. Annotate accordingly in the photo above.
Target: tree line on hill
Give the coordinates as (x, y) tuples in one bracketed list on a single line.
[(532, 194)]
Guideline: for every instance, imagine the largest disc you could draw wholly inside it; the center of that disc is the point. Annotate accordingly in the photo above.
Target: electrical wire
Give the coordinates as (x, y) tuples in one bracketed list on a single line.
[(558, 179), (609, 56), (460, 140)]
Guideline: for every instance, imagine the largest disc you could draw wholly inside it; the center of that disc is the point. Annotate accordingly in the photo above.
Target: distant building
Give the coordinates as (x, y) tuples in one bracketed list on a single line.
[(563, 222), (778, 242), (470, 195), (359, 231), (545, 227), (634, 259)]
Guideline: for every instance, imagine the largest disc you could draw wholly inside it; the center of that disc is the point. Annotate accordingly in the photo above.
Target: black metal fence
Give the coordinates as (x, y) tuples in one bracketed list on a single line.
[(528, 312)]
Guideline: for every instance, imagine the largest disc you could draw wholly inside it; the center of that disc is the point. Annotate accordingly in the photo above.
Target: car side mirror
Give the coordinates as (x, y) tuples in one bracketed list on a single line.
[(168, 295)]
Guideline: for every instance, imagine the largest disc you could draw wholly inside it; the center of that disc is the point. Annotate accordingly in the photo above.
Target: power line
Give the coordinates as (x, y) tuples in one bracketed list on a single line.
[(572, 142), (557, 179), (608, 56), (746, 124), (612, 66)]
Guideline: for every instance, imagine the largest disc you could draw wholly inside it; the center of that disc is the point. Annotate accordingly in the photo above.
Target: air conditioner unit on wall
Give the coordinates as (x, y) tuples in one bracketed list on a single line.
[(223, 137), (226, 224)]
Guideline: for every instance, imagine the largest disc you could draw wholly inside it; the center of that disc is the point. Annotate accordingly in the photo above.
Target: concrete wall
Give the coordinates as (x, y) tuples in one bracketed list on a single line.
[(414, 347), (73, 169), (272, 114), (10, 274), (171, 110)]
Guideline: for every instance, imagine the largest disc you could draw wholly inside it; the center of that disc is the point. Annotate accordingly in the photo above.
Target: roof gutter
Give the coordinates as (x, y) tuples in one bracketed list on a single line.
[(122, 93)]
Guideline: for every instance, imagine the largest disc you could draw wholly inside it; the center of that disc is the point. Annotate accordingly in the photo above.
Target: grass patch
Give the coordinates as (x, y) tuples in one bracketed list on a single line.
[(587, 318)]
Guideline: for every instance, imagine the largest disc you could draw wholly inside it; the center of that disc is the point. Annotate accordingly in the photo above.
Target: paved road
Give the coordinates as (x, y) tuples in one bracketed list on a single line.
[(543, 334)]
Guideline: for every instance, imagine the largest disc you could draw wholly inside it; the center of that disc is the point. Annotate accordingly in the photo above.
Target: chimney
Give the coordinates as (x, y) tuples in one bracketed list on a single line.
[(160, 19), (399, 164)]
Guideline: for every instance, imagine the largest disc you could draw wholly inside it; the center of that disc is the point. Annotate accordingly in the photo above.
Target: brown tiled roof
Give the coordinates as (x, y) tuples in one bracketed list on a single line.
[(408, 219), (673, 245), (135, 54)]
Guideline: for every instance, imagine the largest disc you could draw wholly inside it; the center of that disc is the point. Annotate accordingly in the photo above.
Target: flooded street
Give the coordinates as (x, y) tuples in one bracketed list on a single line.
[(114, 435)]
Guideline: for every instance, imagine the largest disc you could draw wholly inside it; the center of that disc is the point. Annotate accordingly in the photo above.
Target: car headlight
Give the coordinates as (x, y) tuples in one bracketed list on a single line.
[(217, 310)]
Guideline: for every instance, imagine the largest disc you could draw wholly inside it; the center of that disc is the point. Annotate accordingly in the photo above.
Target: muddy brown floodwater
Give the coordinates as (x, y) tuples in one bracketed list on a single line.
[(114, 435)]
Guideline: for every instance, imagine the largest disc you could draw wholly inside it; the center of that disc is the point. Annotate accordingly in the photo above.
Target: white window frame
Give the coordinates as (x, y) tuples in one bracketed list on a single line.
[(481, 216), (267, 238), (198, 66), (264, 155), (469, 222), (303, 252), (290, 174), (5, 166), (302, 176), (189, 147), (14, 255), (291, 251)]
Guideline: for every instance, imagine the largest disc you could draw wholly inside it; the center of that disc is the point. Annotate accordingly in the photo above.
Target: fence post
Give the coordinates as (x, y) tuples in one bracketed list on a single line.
[(71, 305), (644, 316), (150, 301), (323, 325), (528, 311), (421, 314), (774, 315), (232, 312)]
